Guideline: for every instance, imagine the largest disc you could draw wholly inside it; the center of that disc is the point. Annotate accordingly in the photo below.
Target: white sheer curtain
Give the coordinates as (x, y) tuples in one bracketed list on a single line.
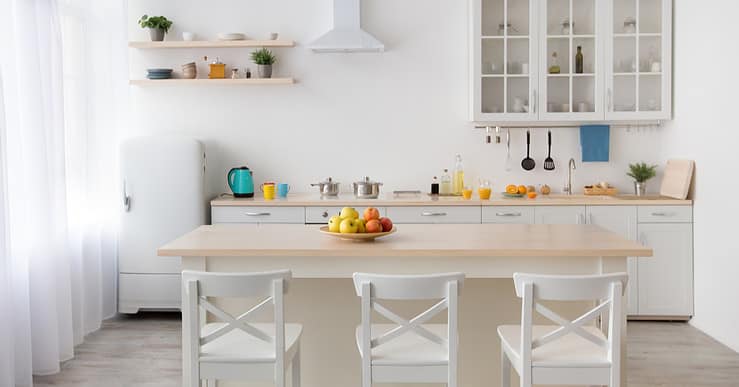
[(62, 94)]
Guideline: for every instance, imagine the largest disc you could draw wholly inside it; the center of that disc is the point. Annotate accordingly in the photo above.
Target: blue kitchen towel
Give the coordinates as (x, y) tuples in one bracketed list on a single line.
[(595, 141)]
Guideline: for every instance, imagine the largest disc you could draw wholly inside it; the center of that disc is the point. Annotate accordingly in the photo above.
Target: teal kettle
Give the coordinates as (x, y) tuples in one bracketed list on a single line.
[(241, 182)]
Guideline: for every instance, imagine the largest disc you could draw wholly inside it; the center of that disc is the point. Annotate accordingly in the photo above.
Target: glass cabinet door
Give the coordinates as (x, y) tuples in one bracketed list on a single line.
[(571, 77), (638, 84), (504, 61)]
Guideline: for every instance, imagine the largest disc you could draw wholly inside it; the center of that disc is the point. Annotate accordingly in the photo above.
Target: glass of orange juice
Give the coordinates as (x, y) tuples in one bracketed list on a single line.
[(467, 193), (484, 190)]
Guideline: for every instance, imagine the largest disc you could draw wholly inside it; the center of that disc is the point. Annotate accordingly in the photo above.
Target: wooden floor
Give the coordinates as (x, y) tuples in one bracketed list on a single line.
[(144, 350)]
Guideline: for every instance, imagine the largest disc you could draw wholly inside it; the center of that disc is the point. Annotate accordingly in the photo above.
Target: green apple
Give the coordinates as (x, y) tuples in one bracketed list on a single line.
[(349, 212), (361, 227), (334, 224), (348, 226)]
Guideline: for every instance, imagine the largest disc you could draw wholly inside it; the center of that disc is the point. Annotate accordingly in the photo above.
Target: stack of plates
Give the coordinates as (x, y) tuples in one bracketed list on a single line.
[(159, 73), (231, 36)]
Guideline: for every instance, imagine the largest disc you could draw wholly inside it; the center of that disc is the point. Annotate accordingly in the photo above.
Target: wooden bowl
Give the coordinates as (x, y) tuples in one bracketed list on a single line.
[(363, 237)]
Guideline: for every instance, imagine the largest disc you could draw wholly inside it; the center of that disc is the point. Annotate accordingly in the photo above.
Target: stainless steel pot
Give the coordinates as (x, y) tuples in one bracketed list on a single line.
[(366, 189), (328, 187)]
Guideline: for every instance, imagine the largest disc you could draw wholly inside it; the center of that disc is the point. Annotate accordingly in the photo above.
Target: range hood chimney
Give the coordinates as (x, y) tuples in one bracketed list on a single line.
[(347, 34)]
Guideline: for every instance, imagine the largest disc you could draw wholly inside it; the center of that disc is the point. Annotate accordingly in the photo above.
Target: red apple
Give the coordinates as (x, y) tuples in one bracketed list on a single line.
[(373, 226), (386, 223), (371, 213)]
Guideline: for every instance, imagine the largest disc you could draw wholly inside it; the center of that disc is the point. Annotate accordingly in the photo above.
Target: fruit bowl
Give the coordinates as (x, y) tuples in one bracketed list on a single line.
[(364, 237), (516, 195)]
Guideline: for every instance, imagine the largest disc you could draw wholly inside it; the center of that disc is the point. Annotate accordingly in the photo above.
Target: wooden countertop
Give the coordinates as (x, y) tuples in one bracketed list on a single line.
[(314, 200), (411, 240)]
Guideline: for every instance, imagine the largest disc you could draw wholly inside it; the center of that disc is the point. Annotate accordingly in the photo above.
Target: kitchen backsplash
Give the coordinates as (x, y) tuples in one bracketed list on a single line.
[(398, 117)]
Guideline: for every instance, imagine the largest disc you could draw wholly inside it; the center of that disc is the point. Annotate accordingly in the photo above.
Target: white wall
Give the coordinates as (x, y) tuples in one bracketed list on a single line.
[(398, 117), (704, 129)]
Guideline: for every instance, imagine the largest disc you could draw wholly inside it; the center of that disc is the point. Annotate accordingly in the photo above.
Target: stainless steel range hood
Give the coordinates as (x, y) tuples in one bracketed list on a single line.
[(347, 34)]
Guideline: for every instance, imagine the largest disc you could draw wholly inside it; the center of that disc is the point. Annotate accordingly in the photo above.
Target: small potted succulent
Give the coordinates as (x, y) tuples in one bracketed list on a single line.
[(264, 59), (641, 172), (158, 26)]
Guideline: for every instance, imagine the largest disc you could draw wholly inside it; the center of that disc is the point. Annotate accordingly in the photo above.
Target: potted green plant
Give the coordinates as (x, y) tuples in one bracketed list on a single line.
[(641, 172), (158, 26), (264, 59)]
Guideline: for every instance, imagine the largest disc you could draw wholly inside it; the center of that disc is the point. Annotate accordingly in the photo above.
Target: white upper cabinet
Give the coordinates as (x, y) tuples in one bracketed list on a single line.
[(639, 66), (570, 60), (504, 60)]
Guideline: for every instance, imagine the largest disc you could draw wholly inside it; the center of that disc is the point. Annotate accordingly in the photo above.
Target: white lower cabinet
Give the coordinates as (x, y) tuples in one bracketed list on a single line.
[(508, 214), (623, 221), (559, 215), (666, 279), (435, 214), (271, 214)]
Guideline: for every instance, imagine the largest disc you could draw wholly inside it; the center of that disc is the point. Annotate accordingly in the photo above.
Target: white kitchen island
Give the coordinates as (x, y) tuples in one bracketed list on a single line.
[(322, 298)]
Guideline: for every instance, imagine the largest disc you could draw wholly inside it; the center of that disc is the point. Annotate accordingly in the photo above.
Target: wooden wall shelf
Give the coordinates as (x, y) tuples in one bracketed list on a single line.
[(221, 82), (212, 44)]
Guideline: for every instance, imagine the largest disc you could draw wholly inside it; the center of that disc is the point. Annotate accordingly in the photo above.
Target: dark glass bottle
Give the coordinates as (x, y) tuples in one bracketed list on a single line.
[(578, 60)]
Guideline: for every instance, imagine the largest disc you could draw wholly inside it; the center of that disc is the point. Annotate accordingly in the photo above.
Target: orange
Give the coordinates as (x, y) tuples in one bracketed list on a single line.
[(522, 189), (532, 195), (511, 189)]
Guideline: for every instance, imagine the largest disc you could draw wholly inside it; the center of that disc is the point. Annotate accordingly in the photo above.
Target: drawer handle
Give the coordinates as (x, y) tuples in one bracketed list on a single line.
[(661, 214), (258, 214), (507, 214), (426, 213), (325, 214)]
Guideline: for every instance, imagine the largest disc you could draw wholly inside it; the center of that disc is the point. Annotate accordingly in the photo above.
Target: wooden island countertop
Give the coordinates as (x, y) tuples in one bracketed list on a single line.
[(412, 240)]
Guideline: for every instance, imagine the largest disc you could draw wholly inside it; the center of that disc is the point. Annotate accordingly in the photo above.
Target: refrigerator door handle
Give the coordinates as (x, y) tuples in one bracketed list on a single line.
[(126, 198)]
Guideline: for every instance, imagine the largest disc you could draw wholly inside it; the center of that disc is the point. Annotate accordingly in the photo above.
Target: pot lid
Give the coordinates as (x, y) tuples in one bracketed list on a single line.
[(366, 180), (329, 180)]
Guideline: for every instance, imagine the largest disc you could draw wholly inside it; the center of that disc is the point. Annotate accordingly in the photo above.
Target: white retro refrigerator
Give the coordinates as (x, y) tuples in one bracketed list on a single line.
[(163, 198)]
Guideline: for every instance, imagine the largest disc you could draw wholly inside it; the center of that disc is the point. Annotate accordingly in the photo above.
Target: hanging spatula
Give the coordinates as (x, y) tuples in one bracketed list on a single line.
[(549, 161)]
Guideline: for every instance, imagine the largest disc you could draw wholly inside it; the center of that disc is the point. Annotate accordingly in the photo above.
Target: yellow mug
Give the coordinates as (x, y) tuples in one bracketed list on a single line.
[(484, 193), (269, 191), (467, 193)]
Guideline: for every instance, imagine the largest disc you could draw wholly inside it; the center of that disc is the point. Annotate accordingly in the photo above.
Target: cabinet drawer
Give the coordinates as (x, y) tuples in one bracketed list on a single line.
[(321, 215), (665, 214), (434, 214), (508, 214), (258, 215)]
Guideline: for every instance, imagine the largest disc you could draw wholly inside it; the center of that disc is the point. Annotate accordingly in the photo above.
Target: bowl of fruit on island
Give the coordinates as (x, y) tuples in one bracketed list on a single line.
[(350, 226)]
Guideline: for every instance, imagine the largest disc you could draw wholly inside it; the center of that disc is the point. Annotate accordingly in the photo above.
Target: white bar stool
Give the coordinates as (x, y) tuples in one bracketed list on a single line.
[(235, 349), (408, 351), (571, 352)]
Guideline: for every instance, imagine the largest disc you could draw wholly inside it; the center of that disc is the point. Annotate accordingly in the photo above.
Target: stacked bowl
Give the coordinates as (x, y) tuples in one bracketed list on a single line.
[(189, 71), (159, 73)]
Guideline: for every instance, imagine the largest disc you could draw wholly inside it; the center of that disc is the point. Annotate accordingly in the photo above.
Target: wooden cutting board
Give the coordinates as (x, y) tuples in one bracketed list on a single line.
[(677, 177)]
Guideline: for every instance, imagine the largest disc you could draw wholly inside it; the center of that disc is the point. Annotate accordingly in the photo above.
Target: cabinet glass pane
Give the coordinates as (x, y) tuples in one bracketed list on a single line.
[(558, 16), (650, 16), (650, 95), (624, 55), (624, 16), (560, 46), (650, 54), (518, 17), (583, 94), (518, 56), (518, 92), (492, 56), (558, 94), (583, 17), (624, 93), (492, 95), (492, 17)]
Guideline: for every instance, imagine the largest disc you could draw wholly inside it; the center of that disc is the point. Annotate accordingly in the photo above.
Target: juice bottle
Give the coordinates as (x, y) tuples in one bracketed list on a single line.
[(458, 179), (446, 183)]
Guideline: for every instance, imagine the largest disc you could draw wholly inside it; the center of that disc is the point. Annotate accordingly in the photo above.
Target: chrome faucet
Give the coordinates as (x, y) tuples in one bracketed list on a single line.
[(570, 168)]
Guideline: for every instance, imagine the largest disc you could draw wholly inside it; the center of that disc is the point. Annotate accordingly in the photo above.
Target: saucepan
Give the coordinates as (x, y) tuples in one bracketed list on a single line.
[(328, 187), (366, 189)]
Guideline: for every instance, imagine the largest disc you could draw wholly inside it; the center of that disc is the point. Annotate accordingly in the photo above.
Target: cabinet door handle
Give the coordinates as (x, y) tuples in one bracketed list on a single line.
[(126, 198), (426, 213), (258, 214), (610, 100), (507, 214), (661, 214), (533, 102)]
